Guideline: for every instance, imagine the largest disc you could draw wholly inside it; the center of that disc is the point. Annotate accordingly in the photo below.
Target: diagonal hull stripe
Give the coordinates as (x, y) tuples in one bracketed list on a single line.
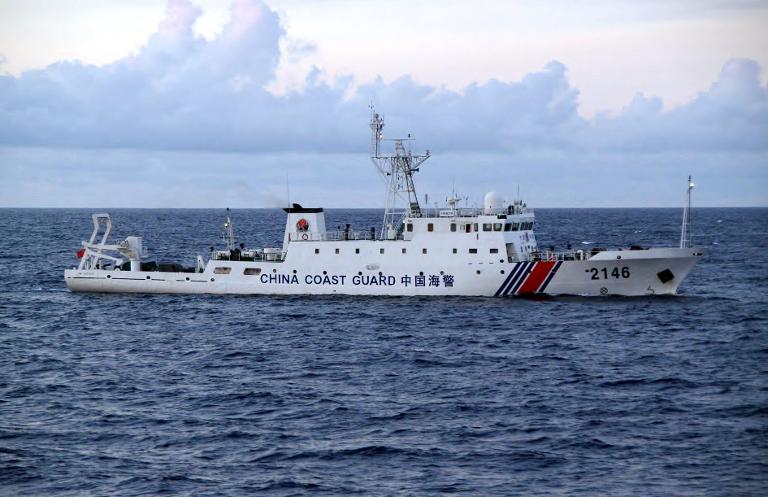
[(549, 278), (513, 278), (536, 278), (511, 274), (521, 277)]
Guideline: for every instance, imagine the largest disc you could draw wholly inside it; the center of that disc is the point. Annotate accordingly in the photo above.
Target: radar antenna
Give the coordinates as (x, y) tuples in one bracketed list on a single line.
[(397, 170)]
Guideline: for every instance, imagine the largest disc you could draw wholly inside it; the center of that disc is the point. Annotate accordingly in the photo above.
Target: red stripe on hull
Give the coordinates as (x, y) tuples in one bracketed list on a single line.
[(536, 278)]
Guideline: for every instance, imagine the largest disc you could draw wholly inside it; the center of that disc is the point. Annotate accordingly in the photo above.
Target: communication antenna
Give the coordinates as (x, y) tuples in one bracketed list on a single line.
[(229, 232), (453, 200), (686, 234), (397, 170)]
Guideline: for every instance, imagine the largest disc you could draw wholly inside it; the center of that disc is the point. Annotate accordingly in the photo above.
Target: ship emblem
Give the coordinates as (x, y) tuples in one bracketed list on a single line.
[(302, 225)]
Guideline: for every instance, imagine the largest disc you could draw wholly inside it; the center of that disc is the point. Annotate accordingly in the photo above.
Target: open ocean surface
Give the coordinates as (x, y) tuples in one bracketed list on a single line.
[(229, 396)]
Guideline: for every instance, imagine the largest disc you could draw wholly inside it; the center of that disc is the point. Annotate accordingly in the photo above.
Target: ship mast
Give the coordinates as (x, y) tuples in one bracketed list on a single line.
[(397, 170), (228, 235), (686, 234)]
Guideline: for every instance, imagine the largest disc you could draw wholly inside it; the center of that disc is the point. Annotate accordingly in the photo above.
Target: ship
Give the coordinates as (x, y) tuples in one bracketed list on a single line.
[(458, 250)]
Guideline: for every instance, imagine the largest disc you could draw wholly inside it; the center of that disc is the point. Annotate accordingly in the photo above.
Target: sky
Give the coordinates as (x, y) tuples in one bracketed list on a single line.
[(231, 103)]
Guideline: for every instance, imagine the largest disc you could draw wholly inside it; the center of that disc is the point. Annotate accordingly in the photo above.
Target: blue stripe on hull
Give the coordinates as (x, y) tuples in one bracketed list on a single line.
[(521, 278), (549, 278)]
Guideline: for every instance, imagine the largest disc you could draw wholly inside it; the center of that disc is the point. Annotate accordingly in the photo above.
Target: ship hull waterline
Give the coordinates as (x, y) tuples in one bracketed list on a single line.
[(623, 273)]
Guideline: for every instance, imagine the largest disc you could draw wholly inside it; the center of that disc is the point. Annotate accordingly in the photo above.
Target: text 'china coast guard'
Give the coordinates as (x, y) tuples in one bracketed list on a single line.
[(455, 250)]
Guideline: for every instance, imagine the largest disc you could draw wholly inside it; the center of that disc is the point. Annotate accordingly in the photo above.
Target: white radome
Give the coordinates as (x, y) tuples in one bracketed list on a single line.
[(493, 202)]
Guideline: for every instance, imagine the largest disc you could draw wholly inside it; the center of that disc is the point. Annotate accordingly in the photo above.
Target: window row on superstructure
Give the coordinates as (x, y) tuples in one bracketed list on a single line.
[(404, 250), (475, 227)]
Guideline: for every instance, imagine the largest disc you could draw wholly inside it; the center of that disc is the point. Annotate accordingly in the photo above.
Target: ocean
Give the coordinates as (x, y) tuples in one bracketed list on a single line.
[(128, 395)]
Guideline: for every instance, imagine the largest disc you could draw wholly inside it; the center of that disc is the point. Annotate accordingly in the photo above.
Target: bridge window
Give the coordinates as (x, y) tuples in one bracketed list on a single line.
[(222, 270), (494, 251), (487, 227), (455, 251), (430, 227), (409, 227), (317, 251), (453, 226), (468, 228), (337, 251), (381, 250), (472, 251), (403, 250), (252, 271), (497, 227), (357, 250), (423, 251)]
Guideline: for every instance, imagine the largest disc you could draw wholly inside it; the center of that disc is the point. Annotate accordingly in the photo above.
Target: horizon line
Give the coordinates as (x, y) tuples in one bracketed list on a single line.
[(382, 208)]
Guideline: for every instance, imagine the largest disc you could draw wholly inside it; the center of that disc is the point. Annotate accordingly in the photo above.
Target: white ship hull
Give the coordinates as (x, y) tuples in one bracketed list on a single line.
[(625, 273)]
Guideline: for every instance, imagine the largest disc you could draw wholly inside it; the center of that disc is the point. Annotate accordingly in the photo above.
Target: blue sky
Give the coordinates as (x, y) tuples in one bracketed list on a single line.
[(220, 104)]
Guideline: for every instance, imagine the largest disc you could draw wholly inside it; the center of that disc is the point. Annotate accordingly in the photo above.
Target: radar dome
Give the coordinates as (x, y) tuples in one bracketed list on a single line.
[(493, 202)]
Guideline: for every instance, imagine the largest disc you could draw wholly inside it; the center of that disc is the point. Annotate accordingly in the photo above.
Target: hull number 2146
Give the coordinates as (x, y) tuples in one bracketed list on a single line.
[(605, 273)]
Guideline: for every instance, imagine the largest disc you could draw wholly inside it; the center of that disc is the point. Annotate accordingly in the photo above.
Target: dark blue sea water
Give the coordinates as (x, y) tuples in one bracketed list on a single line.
[(201, 395)]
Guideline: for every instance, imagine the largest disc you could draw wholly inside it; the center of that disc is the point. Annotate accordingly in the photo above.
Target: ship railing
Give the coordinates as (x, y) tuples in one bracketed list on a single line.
[(473, 212), (568, 255), (259, 255), (333, 236)]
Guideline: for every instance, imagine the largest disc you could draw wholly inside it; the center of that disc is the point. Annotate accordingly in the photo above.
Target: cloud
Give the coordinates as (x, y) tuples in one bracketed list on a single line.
[(732, 115), (183, 92)]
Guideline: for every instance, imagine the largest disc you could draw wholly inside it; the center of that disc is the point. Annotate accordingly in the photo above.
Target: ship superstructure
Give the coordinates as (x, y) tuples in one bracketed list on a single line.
[(487, 251)]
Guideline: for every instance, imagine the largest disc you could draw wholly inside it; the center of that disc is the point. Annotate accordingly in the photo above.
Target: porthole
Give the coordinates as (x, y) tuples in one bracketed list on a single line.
[(421, 273), (294, 271), (109, 276), (325, 272), (212, 279), (359, 273), (147, 277), (478, 271), (187, 278), (502, 271)]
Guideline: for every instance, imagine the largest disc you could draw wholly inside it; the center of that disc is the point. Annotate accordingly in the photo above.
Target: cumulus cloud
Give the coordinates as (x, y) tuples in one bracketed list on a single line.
[(183, 92)]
